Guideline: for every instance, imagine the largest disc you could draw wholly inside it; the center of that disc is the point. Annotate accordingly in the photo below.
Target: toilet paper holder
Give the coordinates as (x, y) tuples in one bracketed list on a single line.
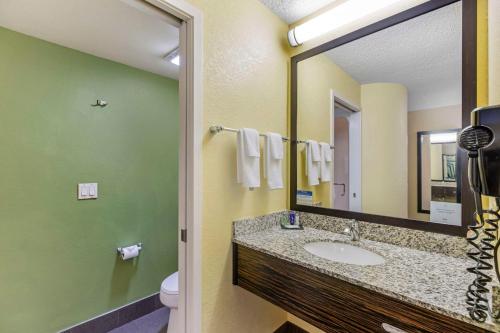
[(119, 250)]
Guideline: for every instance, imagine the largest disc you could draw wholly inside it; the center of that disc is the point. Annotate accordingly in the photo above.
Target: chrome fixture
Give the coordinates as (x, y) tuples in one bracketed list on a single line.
[(305, 141), (100, 103), (352, 230), (129, 252), (219, 128)]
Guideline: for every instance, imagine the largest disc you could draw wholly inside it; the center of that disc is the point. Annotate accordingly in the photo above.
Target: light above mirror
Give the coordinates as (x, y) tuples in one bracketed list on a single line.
[(443, 137), (176, 60), (174, 57), (345, 13)]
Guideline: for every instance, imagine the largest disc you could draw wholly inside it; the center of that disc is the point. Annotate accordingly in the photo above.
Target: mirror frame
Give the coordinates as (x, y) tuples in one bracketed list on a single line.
[(419, 169), (469, 100)]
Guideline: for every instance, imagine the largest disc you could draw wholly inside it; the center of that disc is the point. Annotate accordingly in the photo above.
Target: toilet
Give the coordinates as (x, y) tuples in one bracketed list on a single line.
[(169, 296)]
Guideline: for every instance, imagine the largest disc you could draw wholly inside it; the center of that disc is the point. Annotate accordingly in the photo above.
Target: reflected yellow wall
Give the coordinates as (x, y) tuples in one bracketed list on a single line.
[(246, 65), (318, 76), (384, 111)]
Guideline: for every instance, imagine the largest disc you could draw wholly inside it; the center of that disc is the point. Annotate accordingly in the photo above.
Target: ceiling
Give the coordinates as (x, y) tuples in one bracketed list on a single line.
[(291, 11), (424, 54), (125, 31)]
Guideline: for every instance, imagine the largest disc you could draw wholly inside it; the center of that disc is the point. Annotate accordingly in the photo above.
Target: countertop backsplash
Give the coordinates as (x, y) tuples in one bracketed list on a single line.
[(452, 246)]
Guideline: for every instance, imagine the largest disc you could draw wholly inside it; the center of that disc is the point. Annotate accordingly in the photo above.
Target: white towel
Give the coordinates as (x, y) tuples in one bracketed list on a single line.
[(313, 159), (326, 162), (248, 158), (273, 157)]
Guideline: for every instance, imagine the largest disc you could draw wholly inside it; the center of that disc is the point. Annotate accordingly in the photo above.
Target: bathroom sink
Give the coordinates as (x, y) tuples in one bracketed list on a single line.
[(344, 253)]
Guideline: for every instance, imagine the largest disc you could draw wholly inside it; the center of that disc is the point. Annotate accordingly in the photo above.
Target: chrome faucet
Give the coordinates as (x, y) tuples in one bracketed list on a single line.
[(352, 230)]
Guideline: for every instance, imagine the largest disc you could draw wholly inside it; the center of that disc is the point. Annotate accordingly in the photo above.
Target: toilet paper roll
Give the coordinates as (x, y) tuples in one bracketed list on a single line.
[(129, 252)]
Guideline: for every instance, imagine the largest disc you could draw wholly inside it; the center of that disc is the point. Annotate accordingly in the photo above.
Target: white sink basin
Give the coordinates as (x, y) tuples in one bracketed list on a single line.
[(345, 253)]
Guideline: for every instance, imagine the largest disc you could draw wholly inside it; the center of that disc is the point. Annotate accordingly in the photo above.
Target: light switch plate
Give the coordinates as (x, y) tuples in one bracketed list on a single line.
[(87, 191)]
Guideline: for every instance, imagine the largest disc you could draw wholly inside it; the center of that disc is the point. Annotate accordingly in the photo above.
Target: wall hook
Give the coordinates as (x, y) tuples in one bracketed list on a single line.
[(100, 103)]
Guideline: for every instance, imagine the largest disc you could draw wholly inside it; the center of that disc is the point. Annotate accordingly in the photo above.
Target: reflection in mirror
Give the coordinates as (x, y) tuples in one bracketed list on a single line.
[(438, 194), (369, 98)]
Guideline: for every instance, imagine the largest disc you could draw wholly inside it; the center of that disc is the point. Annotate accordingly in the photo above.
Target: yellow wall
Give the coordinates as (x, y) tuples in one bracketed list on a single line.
[(303, 324), (246, 65), (384, 110), (426, 120), (482, 51), (317, 77)]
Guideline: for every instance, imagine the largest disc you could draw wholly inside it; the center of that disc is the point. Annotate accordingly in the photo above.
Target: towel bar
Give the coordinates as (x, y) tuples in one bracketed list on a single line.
[(219, 128)]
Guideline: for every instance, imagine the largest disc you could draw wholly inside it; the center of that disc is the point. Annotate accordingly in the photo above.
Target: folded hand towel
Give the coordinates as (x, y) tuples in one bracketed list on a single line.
[(276, 145), (248, 158), (251, 142), (315, 152), (273, 158), (326, 162), (313, 158)]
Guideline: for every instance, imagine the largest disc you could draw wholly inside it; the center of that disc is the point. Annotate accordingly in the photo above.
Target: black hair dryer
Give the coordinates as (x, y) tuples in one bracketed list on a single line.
[(481, 140)]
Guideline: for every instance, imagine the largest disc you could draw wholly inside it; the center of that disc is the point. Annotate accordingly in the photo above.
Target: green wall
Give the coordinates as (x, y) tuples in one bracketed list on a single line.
[(58, 264)]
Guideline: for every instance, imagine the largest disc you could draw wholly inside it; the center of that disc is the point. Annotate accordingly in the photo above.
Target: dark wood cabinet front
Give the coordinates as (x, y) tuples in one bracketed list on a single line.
[(331, 304)]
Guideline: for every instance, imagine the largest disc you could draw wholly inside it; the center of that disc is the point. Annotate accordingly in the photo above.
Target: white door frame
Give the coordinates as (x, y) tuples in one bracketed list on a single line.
[(354, 151), (190, 160)]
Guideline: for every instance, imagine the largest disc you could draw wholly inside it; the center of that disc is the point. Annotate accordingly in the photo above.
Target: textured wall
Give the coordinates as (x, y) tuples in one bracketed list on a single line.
[(59, 263), (384, 154), (245, 85), (317, 77)]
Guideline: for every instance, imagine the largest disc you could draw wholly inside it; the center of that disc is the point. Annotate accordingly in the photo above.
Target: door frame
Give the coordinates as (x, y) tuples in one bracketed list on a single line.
[(190, 159), (354, 155)]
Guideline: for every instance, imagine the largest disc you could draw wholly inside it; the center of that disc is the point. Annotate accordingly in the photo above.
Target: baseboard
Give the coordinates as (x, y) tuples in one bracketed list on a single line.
[(288, 327), (117, 317)]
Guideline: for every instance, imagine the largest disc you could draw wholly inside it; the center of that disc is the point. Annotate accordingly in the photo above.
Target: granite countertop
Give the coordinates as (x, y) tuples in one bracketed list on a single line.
[(431, 280)]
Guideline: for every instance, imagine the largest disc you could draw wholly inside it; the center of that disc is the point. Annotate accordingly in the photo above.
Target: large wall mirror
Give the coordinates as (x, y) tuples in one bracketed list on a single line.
[(375, 116)]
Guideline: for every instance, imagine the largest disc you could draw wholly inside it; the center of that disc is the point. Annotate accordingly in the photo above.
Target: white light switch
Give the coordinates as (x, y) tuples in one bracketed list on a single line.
[(87, 191)]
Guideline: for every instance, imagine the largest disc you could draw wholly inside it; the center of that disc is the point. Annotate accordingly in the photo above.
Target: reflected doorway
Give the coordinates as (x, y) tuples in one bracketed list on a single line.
[(346, 135)]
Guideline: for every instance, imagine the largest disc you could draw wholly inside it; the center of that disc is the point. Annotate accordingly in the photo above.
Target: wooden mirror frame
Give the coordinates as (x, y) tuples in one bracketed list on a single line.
[(469, 100)]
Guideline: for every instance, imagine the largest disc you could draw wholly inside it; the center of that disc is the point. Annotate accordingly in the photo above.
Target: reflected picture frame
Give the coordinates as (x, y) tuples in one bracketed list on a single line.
[(449, 168)]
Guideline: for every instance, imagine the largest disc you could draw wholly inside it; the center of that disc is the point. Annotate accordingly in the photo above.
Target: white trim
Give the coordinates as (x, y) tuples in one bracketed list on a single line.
[(190, 191)]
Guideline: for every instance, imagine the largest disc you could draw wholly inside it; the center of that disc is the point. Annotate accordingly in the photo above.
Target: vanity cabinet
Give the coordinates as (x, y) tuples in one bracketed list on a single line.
[(331, 304)]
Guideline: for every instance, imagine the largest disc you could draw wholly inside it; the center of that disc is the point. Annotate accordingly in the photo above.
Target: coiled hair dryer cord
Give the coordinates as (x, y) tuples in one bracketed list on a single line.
[(481, 252)]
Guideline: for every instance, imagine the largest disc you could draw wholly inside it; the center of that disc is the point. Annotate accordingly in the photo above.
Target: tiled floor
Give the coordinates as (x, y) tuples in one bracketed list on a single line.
[(155, 322)]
